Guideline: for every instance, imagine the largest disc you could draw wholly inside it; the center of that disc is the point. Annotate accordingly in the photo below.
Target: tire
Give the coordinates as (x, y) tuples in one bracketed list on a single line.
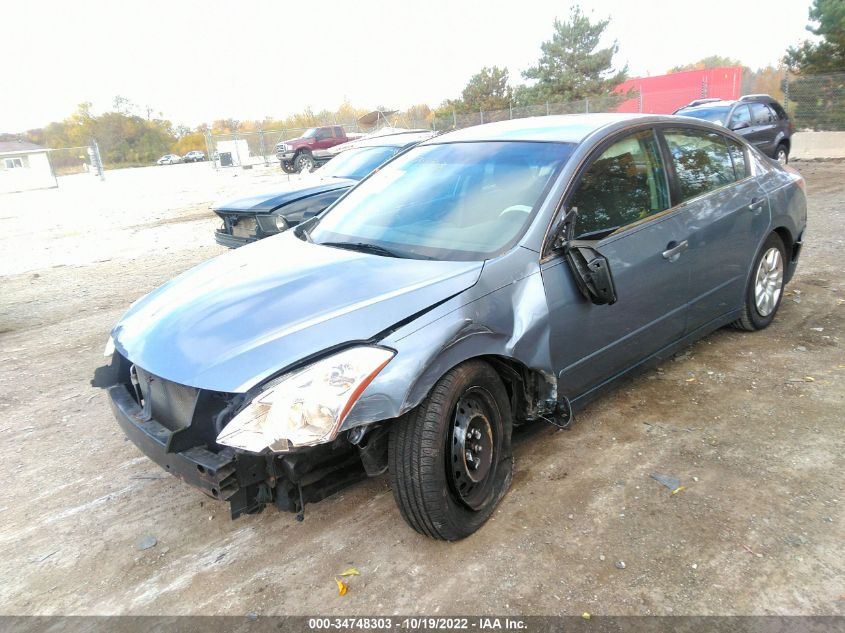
[(438, 491), (287, 167), (758, 315), (303, 161), (782, 154)]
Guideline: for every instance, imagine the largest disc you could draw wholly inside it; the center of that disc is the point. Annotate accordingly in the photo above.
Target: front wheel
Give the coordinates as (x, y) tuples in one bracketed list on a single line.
[(450, 458), (303, 162), (765, 286), (287, 167)]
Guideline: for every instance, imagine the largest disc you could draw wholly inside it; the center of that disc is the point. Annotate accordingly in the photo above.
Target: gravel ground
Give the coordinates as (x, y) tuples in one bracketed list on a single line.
[(752, 425)]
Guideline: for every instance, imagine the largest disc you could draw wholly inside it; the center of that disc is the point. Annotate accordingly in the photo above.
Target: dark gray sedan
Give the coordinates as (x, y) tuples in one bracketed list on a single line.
[(484, 279), (249, 219)]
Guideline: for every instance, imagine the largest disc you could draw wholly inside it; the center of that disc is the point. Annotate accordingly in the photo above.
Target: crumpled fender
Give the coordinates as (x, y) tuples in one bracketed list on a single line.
[(504, 315)]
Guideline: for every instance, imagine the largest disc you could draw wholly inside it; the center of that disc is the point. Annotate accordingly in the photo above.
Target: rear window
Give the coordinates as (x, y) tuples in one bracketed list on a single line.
[(701, 159), (778, 108), (356, 163), (737, 152)]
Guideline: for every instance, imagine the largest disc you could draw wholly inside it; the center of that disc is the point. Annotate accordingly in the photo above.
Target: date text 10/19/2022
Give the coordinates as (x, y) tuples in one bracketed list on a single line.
[(418, 624)]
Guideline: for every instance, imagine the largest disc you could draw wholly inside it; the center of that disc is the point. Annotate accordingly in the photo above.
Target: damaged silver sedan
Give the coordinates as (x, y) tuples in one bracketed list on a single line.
[(482, 280)]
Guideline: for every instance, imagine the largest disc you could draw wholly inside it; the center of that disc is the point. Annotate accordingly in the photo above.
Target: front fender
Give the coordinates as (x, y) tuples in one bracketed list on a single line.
[(511, 322)]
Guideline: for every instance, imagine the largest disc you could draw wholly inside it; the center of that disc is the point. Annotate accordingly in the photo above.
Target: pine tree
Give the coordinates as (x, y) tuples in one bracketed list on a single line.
[(572, 66)]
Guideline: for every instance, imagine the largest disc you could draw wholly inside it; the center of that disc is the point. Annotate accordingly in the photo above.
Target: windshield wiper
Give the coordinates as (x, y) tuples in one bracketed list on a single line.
[(364, 248)]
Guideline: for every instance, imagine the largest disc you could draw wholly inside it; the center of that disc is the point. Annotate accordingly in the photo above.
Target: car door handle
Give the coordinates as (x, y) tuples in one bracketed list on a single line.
[(674, 249), (756, 204)]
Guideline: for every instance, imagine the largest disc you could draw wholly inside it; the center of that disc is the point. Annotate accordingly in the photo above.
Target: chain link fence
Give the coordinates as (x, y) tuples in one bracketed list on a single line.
[(814, 102), (67, 161), (248, 149)]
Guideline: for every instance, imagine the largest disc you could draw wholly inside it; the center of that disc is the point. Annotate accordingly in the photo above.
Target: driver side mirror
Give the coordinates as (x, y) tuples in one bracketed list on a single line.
[(592, 274), (590, 268)]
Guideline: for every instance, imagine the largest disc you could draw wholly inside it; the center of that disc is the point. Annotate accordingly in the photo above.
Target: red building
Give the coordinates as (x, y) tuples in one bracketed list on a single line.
[(666, 93)]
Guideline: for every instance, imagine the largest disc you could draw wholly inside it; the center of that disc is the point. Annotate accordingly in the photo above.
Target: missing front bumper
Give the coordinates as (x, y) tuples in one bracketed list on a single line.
[(225, 475), (248, 482)]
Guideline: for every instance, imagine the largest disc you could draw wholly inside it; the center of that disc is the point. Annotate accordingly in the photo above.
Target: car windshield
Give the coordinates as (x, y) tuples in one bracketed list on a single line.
[(356, 163), (716, 115), (452, 201), (309, 132)]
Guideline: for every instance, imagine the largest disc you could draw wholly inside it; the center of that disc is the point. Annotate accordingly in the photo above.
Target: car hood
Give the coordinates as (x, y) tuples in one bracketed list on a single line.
[(284, 194), (234, 321)]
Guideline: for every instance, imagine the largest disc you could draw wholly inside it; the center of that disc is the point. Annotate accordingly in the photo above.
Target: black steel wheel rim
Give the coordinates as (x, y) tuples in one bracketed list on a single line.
[(472, 441)]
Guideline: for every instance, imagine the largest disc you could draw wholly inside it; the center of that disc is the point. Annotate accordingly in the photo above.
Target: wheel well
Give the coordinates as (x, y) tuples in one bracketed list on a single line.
[(525, 386), (786, 238)]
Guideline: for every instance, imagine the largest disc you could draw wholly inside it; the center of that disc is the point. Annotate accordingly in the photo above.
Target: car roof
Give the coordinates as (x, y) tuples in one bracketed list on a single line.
[(398, 139), (567, 128), (727, 103)]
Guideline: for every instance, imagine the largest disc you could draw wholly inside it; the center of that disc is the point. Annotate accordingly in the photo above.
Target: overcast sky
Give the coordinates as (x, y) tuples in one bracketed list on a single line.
[(200, 61)]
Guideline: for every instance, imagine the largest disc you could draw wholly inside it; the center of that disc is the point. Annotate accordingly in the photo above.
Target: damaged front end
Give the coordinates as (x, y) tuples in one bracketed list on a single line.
[(177, 427)]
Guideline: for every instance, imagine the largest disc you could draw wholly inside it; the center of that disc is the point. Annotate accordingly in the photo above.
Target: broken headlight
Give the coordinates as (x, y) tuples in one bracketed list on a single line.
[(272, 223), (305, 407)]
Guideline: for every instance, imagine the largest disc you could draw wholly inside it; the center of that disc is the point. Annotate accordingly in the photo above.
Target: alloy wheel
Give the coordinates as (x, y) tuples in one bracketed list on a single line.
[(768, 283)]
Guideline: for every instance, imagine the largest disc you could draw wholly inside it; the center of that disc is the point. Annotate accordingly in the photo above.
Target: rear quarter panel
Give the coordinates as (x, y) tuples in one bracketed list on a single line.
[(787, 200)]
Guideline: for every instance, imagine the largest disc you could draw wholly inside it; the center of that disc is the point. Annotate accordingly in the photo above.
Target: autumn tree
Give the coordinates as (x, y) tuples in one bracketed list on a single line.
[(572, 66), (712, 61)]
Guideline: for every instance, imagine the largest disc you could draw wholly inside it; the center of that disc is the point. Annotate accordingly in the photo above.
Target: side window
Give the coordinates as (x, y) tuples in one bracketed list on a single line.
[(760, 113), (737, 152), (741, 114), (701, 159), (338, 132), (779, 111), (625, 184), (324, 133)]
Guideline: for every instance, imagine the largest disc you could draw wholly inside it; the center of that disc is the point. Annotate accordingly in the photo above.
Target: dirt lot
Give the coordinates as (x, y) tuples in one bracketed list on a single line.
[(751, 423)]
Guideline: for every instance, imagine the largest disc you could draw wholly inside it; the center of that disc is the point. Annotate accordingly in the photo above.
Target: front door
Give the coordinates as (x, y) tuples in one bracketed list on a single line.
[(623, 204)]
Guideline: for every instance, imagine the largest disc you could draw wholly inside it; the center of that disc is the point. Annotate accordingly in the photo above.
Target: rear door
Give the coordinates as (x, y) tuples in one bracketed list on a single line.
[(763, 128), (623, 203), (725, 215)]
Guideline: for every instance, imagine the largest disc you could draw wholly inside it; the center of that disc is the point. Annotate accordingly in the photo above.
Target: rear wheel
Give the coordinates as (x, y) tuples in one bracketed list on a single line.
[(450, 459), (782, 154), (765, 286)]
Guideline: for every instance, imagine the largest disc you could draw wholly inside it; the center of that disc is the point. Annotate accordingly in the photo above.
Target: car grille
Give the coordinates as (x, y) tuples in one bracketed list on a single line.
[(169, 403)]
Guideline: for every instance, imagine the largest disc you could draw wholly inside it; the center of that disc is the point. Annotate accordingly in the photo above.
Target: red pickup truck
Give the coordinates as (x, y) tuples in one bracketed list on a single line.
[(309, 150)]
